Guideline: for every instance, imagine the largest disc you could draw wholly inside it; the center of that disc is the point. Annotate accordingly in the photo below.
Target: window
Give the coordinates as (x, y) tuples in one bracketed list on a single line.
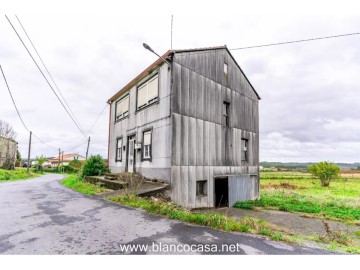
[(122, 108), (119, 149), (201, 188), (226, 112), (147, 144), (225, 69), (244, 149), (148, 92)]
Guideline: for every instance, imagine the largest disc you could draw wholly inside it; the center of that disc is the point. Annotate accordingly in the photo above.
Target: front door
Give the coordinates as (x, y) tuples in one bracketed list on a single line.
[(131, 154)]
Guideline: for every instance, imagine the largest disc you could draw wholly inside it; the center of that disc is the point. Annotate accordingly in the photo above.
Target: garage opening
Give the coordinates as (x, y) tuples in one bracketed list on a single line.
[(221, 192)]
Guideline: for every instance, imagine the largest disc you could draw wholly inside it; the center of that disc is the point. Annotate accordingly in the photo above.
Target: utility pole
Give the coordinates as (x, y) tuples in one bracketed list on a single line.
[(58, 161), (62, 160), (28, 165), (87, 150)]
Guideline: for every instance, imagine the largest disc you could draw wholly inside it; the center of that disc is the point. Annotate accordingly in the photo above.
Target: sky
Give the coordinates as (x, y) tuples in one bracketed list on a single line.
[(310, 94)]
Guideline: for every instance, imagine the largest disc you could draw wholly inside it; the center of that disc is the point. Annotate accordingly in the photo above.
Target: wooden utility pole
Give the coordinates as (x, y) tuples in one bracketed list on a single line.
[(58, 161), (62, 160), (28, 165), (87, 150)]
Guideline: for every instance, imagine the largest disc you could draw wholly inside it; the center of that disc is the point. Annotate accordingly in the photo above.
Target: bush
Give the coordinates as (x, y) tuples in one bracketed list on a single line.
[(75, 164), (94, 166), (325, 171)]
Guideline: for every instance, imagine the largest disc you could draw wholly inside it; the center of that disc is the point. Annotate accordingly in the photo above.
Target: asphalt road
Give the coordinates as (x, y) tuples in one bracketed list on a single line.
[(40, 216)]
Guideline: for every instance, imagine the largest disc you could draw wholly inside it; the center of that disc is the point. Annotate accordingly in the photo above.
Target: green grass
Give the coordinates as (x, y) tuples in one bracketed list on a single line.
[(74, 182), (17, 174), (300, 192), (213, 220)]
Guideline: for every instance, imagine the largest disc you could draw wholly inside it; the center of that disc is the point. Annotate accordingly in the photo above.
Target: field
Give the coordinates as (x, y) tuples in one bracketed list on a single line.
[(17, 174), (300, 192)]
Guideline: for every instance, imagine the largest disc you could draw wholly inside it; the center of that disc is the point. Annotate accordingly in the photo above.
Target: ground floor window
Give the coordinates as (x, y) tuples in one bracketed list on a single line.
[(201, 188), (119, 149), (147, 142)]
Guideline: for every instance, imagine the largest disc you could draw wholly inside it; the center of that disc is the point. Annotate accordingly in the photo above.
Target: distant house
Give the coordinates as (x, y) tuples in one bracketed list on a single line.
[(193, 122), (64, 159), (8, 148)]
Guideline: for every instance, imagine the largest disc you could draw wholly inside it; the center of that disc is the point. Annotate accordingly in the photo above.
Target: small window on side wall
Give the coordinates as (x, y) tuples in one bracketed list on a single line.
[(226, 113), (244, 149), (119, 149), (147, 139), (201, 188)]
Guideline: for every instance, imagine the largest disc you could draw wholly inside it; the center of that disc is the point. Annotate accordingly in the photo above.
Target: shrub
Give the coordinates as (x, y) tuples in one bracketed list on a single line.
[(75, 164), (94, 166), (325, 171)]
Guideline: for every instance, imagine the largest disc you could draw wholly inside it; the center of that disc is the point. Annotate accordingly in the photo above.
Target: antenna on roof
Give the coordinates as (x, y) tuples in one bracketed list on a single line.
[(172, 20)]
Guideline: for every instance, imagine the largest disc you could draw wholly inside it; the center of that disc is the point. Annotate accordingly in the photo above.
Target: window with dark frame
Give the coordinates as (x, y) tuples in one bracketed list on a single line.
[(201, 188), (119, 149), (148, 92), (122, 108), (244, 149), (226, 112), (147, 144)]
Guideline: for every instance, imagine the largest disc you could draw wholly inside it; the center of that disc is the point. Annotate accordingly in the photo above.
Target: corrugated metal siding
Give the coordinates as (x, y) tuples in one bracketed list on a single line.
[(242, 188), (200, 139)]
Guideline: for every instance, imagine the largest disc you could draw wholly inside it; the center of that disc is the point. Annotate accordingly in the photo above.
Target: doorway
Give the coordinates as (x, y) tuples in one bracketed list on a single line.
[(221, 192), (131, 154)]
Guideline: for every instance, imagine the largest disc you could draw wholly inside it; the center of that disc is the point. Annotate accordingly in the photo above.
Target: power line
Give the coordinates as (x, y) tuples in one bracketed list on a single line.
[(48, 72), (12, 98), (42, 73), (18, 112), (294, 41), (92, 126)]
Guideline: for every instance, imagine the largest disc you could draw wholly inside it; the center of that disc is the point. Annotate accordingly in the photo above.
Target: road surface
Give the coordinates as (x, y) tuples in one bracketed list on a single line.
[(40, 216)]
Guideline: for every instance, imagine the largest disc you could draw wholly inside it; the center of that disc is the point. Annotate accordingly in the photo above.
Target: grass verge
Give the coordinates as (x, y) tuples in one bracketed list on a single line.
[(74, 182), (17, 174), (305, 204), (213, 220)]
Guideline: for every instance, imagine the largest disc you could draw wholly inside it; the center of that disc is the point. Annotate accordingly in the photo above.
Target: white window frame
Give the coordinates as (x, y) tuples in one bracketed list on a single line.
[(123, 114), (147, 148), (146, 85), (119, 156)]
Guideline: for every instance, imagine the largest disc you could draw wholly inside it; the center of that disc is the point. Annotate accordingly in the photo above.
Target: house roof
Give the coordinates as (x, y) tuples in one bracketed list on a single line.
[(160, 61), (65, 157)]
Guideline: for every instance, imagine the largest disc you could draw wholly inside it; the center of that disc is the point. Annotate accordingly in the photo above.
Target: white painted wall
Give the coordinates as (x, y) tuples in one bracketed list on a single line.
[(158, 117)]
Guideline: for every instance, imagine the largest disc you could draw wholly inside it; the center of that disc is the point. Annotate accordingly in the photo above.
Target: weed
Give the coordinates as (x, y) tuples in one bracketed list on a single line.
[(336, 236), (74, 182)]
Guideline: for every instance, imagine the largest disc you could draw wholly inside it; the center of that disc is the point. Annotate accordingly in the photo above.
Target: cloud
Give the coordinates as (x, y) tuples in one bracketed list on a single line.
[(310, 95)]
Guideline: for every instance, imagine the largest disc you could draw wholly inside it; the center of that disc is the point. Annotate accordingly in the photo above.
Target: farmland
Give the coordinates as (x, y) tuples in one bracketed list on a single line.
[(301, 192)]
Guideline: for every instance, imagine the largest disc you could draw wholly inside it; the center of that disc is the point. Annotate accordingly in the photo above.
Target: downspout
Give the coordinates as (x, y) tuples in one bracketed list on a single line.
[(108, 161)]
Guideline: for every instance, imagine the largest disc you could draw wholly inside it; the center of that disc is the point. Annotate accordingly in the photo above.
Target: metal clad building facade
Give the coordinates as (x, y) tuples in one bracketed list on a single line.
[(205, 129)]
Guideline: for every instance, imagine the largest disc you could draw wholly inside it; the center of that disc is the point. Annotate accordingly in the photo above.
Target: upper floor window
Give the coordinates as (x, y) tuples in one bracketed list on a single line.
[(225, 69), (226, 113), (244, 149), (122, 108), (148, 92), (147, 144)]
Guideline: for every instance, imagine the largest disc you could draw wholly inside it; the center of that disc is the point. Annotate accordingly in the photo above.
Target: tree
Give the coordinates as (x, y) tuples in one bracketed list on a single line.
[(6, 130), (325, 171), (40, 161)]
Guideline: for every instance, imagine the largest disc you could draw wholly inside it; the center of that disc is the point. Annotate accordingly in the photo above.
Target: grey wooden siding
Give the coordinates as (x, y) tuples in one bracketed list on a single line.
[(202, 146)]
